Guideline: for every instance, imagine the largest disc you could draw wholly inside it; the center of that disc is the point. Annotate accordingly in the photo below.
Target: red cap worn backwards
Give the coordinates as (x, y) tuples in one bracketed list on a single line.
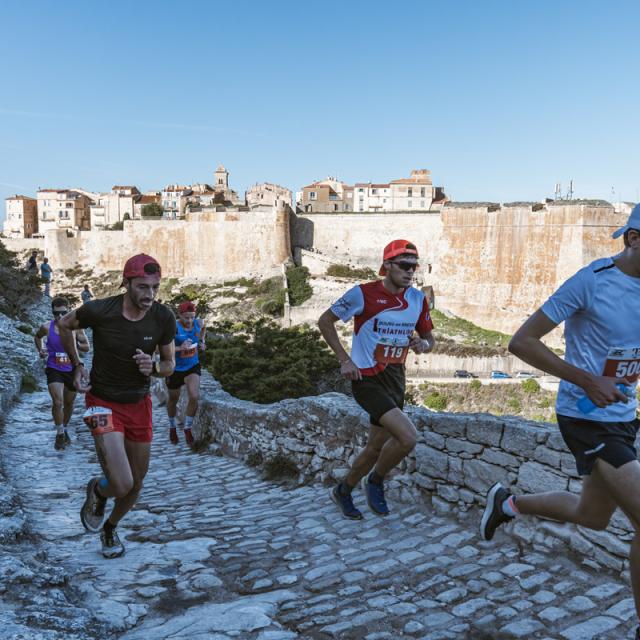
[(186, 306), (397, 248), (140, 266)]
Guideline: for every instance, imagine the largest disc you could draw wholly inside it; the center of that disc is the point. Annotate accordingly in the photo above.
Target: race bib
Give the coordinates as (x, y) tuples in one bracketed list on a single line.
[(99, 420), (390, 353), (189, 352), (623, 363), (62, 359)]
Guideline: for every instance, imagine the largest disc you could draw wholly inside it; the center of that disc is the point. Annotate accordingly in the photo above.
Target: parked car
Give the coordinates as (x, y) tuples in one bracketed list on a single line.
[(525, 374), (462, 373), (499, 374)]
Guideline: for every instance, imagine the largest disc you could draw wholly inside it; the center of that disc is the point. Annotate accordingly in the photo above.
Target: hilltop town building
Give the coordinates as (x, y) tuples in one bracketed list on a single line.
[(269, 194), (114, 207), (414, 193), (21, 217), (62, 209)]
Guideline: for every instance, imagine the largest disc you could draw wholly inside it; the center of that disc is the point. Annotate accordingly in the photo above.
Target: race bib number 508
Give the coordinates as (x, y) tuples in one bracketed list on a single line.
[(623, 363)]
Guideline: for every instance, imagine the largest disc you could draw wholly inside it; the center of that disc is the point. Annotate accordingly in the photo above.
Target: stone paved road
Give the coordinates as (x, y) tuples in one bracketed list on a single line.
[(214, 551)]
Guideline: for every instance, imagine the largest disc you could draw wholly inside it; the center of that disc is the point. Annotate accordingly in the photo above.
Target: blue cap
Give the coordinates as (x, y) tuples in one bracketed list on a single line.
[(632, 223)]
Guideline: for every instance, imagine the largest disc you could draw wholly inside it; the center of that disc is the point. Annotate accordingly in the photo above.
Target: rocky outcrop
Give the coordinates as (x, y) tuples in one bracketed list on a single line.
[(457, 458)]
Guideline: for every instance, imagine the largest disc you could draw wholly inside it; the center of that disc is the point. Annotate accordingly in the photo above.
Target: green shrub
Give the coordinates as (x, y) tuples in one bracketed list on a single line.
[(436, 401), (530, 386), (29, 384), (264, 363), (347, 271), (25, 328), (280, 467), (298, 282), (514, 404), (475, 384), (152, 210)]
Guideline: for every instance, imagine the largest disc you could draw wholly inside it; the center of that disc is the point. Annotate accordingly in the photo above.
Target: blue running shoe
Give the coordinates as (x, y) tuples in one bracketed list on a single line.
[(375, 497), (345, 502)]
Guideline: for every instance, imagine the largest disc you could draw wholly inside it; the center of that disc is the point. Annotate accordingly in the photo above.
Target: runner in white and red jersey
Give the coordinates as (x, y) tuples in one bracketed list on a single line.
[(596, 405), (390, 318)]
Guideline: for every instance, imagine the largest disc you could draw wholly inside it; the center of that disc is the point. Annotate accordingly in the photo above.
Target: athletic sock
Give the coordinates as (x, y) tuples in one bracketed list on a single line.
[(188, 421), (344, 489), (172, 422), (509, 507), (108, 527), (59, 429), (375, 478)]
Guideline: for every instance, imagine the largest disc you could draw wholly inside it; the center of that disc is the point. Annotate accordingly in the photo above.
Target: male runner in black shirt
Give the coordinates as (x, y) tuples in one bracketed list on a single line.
[(127, 328)]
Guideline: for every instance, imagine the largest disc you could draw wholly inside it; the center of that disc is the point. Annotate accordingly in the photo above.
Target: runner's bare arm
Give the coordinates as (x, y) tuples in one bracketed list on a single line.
[(203, 336), (41, 333), (527, 345), (327, 326), (82, 341), (167, 360), (66, 327)]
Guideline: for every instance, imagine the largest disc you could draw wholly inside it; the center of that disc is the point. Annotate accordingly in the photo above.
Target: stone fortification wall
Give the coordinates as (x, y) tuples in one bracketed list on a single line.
[(457, 458), (217, 245), (492, 267)]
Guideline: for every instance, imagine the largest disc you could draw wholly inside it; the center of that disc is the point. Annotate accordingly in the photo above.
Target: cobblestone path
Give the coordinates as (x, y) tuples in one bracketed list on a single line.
[(214, 551)]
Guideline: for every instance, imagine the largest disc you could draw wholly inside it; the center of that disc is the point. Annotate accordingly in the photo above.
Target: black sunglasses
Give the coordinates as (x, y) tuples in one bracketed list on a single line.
[(60, 313), (406, 266), (151, 268)]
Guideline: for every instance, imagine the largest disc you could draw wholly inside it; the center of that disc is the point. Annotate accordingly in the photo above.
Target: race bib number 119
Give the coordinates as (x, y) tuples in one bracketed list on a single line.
[(623, 363)]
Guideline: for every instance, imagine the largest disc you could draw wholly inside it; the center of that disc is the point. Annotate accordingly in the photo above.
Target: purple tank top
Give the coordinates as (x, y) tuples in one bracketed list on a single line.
[(58, 358)]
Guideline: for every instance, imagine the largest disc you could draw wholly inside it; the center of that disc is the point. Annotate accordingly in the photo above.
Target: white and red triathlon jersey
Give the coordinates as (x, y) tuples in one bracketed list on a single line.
[(383, 323)]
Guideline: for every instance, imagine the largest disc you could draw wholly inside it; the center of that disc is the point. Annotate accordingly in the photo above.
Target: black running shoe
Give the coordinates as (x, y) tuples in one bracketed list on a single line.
[(92, 512), (375, 497), (59, 444), (67, 439), (345, 502), (493, 515), (111, 545)]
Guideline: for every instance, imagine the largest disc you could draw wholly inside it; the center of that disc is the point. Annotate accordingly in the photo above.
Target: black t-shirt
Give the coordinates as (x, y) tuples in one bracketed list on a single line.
[(114, 374)]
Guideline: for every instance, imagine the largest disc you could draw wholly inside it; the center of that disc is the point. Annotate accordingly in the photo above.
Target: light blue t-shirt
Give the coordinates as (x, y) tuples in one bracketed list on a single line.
[(600, 306)]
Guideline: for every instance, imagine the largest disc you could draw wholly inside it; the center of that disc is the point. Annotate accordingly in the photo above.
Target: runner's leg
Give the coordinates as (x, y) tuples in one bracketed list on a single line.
[(172, 405), (618, 481), (192, 382), (56, 391), (368, 457), (69, 398), (593, 508), (399, 445), (138, 454), (115, 464)]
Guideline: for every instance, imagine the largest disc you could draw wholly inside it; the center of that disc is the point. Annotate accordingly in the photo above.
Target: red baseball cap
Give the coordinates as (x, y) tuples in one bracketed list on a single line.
[(186, 306), (397, 248), (140, 266)]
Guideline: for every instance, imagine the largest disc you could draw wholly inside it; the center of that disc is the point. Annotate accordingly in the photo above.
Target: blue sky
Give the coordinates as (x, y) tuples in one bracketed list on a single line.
[(499, 99)]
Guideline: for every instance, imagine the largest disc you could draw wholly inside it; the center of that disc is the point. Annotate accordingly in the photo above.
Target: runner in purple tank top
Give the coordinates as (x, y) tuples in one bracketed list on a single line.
[(59, 370)]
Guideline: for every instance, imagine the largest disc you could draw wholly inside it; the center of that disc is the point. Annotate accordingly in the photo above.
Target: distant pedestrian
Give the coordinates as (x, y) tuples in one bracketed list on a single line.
[(46, 271), (32, 265), (86, 295)]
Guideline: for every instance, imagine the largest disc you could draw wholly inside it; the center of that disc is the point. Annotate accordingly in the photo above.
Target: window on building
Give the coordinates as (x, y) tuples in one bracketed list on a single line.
[(220, 181), (422, 204), (374, 192), (409, 204), (350, 194), (422, 192), (361, 190), (69, 205), (335, 207), (409, 192), (312, 195)]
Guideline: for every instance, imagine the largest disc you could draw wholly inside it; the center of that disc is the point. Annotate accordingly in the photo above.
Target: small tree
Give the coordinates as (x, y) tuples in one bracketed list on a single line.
[(152, 210)]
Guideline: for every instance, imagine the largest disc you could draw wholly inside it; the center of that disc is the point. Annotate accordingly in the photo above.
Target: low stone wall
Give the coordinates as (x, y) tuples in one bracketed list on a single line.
[(457, 458)]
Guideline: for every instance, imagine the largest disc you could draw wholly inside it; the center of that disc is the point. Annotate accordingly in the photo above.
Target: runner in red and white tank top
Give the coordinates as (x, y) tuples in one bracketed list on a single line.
[(390, 318)]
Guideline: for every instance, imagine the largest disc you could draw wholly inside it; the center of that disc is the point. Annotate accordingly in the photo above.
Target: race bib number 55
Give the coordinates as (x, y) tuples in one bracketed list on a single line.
[(623, 363)]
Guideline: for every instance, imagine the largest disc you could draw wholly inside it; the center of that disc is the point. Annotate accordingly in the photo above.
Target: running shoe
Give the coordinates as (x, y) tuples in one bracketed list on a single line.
[(173, 435), (58, 445), (638, 633), (375, 497), (92, 512), (67, 439), (188, 437), (111, 545), (493, 515), (345, 502)]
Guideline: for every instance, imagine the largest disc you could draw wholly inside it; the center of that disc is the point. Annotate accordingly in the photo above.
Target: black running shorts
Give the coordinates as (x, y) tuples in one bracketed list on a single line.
[(176, 379), (380, 393), (613, 442), (66, 377)]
